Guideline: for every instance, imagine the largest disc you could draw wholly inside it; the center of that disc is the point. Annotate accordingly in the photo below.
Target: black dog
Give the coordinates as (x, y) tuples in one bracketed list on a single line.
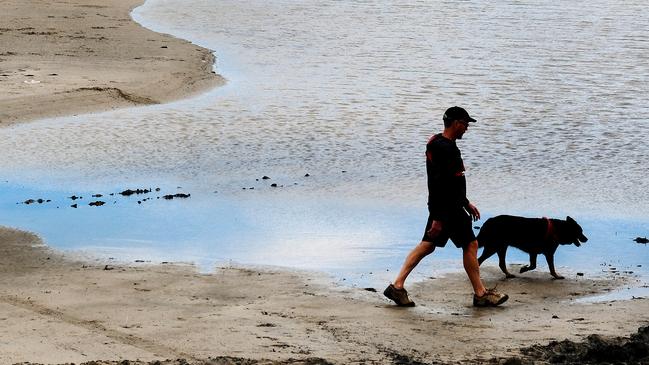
[(532, 235)]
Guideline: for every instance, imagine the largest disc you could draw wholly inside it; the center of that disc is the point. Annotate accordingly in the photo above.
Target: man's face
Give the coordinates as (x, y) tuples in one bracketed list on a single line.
[(461, 127)]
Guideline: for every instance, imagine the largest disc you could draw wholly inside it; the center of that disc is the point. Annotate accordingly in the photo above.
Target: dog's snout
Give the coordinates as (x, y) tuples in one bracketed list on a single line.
[(583, 238)]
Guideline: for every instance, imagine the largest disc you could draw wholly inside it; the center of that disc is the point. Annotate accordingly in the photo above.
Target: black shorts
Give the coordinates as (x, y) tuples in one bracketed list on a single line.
[(457, 225)]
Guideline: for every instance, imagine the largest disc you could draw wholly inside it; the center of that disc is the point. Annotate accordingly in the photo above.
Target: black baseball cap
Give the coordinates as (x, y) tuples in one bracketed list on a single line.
[(457, 113)]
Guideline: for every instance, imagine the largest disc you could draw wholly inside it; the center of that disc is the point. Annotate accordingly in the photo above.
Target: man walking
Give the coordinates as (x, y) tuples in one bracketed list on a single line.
[(450, 212)]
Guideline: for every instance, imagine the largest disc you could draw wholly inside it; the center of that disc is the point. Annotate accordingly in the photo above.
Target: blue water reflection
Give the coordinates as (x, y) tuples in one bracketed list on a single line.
[(362, 243)]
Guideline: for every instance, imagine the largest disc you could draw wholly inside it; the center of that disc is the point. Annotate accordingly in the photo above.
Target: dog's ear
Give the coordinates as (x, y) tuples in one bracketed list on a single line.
[(568, 219)]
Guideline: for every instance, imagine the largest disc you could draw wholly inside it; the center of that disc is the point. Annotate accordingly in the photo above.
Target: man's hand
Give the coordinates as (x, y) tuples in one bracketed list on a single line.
[(435, 229), (473, 211)]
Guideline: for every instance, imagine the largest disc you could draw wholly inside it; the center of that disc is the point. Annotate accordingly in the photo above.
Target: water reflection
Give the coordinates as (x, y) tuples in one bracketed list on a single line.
[(360, 242)]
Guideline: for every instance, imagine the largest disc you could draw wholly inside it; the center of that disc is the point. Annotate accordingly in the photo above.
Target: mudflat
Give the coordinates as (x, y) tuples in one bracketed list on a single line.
[(56, 308), (79, 56)]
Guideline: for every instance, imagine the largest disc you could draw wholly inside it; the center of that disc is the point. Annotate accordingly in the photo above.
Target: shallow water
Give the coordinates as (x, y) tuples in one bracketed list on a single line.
[(349, 92), (358, 243)]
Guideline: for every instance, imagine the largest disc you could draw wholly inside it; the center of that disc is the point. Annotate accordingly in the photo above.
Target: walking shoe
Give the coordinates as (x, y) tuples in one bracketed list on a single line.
[(399, 296), (490, 298)]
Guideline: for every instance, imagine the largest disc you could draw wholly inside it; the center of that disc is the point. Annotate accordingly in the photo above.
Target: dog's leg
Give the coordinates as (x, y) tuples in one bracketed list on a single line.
[(501, 262), (532, 264), (550, 258)]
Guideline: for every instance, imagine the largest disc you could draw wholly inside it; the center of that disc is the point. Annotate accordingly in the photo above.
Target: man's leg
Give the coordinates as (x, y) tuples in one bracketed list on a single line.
[(395, 291), (422, 250), (482, 296), (472, 267)]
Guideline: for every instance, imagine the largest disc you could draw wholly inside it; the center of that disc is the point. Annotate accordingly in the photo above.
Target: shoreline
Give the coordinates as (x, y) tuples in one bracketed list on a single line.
[(84, 56), (57, 309)]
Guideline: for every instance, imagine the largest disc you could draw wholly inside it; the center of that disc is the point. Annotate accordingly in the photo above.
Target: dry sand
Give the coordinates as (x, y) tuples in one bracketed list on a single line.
[(78, 56), (56, 309)]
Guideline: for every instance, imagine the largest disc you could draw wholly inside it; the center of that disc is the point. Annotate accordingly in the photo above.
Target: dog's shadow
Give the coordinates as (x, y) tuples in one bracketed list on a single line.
[(536, 286)]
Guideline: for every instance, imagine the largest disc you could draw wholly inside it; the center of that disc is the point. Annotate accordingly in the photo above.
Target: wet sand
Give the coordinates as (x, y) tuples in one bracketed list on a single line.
[(80, 56), (58, 309)]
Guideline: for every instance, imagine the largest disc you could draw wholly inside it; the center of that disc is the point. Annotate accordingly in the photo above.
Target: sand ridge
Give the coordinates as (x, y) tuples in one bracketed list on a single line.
[(83, 56)]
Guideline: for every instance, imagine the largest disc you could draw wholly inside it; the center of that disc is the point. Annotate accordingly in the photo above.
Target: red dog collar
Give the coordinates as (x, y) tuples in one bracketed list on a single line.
[(549, 231)]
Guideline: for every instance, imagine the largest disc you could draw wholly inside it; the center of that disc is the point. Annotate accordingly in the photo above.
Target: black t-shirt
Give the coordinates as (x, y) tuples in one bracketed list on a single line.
[(446, 181)]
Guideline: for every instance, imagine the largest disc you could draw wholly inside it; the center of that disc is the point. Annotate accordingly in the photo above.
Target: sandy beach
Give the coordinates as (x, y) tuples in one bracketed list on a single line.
[(80, 56), (59, 309)]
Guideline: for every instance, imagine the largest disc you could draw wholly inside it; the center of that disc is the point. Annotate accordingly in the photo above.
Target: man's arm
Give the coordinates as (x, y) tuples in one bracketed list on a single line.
[(473, 211)]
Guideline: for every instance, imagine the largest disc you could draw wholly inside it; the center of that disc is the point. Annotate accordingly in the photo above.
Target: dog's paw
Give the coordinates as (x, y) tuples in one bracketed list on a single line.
[(510, 276), (524, 269), (557, 277)]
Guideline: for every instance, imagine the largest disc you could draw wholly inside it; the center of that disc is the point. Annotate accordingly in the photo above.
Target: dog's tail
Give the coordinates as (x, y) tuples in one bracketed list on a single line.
[(484, 232)]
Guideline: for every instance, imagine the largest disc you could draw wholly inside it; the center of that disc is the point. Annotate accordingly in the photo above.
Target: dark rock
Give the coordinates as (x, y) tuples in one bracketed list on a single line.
[(265, 177), (370, 289), (179, 195), (30, 201), (97, 196), (641, 240), (130, 192), (273, 185), (594, 350), (402, 359), (97, 203), (108, 268), (40, 201), (307, 175), (267, 325), (73, 205), (514, 361), (74, 197)]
